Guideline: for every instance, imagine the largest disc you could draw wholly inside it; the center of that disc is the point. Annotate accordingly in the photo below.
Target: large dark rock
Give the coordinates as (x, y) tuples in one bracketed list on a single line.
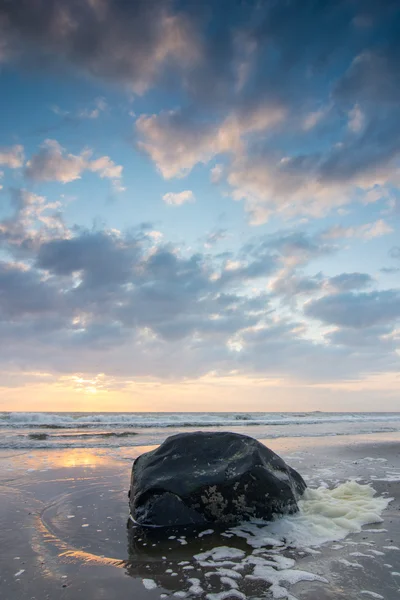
[(203, 477)]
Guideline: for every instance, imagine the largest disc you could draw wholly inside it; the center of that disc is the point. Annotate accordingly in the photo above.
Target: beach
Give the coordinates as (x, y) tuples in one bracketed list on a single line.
[(64, 516)]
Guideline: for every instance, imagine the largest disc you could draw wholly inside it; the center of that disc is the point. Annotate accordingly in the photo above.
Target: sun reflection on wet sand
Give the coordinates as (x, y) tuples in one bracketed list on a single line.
[(42, 460)]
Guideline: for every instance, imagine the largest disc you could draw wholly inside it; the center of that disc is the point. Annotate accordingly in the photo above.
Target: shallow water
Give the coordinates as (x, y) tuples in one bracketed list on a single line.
[(64, 514)]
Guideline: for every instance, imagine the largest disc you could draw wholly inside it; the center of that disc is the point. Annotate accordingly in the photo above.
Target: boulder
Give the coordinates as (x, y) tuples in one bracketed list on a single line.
[(200, 478)]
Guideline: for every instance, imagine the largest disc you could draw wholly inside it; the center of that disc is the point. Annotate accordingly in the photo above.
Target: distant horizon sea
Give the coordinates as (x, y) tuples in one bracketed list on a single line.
[(30, 430)]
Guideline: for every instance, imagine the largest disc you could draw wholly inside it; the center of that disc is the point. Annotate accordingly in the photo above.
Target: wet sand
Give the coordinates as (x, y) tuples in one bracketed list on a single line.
[(63, 519)]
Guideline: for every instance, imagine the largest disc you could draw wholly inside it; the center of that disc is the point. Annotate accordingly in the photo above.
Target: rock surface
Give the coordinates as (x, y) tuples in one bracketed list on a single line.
[(211, 477)]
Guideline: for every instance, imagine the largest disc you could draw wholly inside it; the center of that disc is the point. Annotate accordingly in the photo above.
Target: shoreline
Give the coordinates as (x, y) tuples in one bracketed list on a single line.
[(63, 517)]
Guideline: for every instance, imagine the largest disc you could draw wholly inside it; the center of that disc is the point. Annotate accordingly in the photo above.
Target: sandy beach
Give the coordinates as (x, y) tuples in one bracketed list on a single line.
[(63, 517)]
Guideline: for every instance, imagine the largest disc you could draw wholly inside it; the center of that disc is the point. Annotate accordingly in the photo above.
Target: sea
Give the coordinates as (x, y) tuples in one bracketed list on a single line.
[(38, 430)]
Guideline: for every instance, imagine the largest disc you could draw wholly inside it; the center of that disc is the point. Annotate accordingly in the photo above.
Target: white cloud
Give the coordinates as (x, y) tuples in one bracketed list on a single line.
[(367, 231), (105, 167), (12, 157), (313, 118), (176, 144), (306, 184), (217, 173), (34, 220), (52, 163), (269, 186), (94, 113), (100, 105), (356, 119), (179, 198)]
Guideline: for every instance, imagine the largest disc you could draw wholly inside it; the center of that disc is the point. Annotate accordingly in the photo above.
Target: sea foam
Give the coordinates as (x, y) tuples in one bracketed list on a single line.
[(325, 515)]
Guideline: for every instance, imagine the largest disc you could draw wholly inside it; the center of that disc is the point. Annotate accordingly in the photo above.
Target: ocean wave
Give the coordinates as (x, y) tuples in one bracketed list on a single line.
[(83, 436), (181, 420), (45, 441)]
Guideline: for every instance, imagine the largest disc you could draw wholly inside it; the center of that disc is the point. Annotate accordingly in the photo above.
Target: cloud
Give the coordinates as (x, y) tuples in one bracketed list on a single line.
[(395, 252), (33, 220), (102, 297), (239, 76), (291, 121), (12, 157), (99, 258), (217, 173), (390, 270), (363, 339), (129, 43), (310, 184), (100, 106), (302, 175), (51, 163), (366, 231), (215, 236), (176, 141), (290, 284), (356, 119), (350, 281), (312, 119), (179, 198), (372, 74), (356, 311), (24, 293)]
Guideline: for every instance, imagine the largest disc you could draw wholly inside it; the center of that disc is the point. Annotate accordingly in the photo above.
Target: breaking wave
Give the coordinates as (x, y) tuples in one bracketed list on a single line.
[(181, 420)]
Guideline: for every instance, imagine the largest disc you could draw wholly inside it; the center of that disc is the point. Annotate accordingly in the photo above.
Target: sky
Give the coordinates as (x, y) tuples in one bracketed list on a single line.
[(199, 205)]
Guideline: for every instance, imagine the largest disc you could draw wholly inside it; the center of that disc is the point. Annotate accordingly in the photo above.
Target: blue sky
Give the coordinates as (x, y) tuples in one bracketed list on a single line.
[(196, 198)]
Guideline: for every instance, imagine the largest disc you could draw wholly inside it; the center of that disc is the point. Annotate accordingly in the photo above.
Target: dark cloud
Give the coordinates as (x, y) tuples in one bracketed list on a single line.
[(24, 293), (291, 284), (364, 339), (350, 281), (374, 75), (127, 42), (390, 270), (98, 258), (118, 304), (358, 311)]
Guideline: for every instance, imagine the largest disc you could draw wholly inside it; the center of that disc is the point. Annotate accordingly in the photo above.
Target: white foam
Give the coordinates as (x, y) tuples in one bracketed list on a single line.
[(277, 578), (372, 594), (347, 563), (230, 582), (376, 552), (224, 572), (220, 553), (205, 532), (19, 573), (149, 584), (227, 594), (195, 587), (325, 516)]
